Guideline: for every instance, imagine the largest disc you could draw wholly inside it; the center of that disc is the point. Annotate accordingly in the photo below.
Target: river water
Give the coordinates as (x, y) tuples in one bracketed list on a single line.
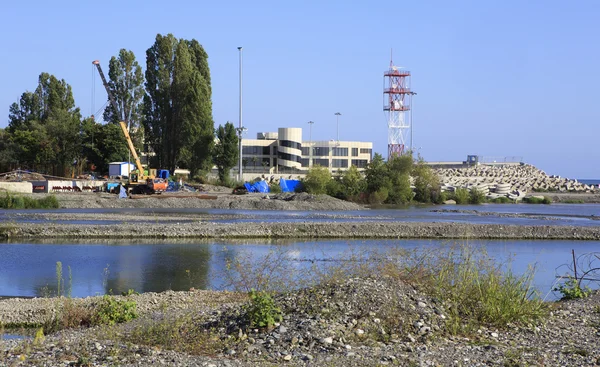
[(28, 268)]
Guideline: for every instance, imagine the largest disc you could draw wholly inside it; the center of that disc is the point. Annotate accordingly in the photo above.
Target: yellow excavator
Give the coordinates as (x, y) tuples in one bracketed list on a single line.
[(139, 181)]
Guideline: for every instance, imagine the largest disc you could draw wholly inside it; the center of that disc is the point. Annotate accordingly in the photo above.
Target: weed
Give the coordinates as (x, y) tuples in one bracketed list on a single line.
[(39, 337), (571, 289), (129, 292), (500, 200), (24, 202), (262, 311), (112, 311), (59, 278), (476, 196)]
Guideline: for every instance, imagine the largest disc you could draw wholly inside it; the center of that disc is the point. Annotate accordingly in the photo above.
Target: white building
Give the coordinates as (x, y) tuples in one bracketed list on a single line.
[(120, 169), (285, 152)]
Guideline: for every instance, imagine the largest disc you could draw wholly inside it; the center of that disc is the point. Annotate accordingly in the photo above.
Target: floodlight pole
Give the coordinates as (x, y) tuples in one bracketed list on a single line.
[(241, 127)]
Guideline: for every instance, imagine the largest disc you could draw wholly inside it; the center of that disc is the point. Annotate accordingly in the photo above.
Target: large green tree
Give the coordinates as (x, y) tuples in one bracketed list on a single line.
[(45, 126), (126, 82), (226, 151), (177, 108)]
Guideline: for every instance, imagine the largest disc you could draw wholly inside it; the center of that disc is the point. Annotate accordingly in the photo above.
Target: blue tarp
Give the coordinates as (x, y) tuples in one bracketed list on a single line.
[(122, 193), (259, 186), (288, 185)]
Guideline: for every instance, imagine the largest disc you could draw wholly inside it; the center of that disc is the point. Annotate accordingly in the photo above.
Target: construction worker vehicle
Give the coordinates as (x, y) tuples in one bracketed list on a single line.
[(140, 181)]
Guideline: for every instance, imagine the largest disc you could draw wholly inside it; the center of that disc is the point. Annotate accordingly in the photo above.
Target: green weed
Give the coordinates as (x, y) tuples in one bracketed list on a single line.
[(262, 311), (571, 289)]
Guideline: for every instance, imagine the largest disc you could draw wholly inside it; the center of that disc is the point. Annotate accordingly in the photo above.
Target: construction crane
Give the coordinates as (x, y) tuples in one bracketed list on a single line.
[(140, 182)]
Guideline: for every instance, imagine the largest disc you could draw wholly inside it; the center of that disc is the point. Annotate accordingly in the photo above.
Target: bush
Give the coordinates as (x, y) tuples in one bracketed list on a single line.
[(500, 200), (536, 200), (275, 188), (379, 196), (571, 289), (316, 180), (336, 189), (427, 183), (461, 195), (476, 196), (25, 202), (112, 311), (262, 311)]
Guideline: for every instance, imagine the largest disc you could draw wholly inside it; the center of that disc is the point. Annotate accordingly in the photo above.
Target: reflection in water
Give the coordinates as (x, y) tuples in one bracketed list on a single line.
[(98, 267)]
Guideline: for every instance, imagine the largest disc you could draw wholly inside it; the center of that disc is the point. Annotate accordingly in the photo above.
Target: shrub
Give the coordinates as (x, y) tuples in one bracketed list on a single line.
[(571, 289), (353, 183), (262, 311), (379, 196), (427, 183), (112, 311), (537, 200), (500, 200), (336, 189), (476, 196), (25, 202), (275, 188), (461, 196), (316, 180)]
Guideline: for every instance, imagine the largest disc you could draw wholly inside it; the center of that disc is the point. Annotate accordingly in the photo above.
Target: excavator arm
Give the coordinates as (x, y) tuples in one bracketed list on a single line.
[(130, 145)]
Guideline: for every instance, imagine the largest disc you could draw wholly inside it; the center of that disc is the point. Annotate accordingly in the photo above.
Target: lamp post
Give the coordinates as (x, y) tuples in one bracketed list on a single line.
[(411, 120), (310, 149), (337, 118), (240, 129)]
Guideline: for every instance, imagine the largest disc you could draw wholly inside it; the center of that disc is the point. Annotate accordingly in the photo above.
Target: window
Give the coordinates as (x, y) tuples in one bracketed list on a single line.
[(355, 152), (339, 163), (266, 162), (288, 157), (290, 144), (365, 151), (266, 150), (340, 152), (321, 162), (360, 163), (320, 151), (304, 162), (251, 150), (305, 151)]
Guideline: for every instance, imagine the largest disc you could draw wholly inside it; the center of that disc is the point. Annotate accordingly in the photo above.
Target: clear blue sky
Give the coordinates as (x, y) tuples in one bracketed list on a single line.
[(494, 78)]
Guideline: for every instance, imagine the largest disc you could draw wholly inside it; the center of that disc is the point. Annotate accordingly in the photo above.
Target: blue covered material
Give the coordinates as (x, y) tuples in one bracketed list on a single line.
[(111, 185), (164, 174), (259, 186), (288, 185)]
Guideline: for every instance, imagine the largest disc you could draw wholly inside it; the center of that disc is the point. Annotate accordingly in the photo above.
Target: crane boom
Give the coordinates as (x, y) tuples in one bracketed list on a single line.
[(130, 145)]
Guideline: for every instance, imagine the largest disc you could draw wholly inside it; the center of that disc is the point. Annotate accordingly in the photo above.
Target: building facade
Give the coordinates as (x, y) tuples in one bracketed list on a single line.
[(285, 152)]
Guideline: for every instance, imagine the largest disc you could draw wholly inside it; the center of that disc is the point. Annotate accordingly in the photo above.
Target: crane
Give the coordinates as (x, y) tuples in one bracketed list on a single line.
[(137, 182)]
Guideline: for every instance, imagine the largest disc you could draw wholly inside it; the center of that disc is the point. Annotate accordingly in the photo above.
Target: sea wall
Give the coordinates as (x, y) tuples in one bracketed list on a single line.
[(20, 187)]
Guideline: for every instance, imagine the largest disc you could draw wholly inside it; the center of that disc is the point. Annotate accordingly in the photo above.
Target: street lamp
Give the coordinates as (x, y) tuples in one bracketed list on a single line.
[(240, 129), (310, 149), (337, 117), (411, 119)]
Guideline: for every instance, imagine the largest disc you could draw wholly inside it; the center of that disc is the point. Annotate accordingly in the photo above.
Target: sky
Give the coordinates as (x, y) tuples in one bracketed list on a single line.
[(494, 78)]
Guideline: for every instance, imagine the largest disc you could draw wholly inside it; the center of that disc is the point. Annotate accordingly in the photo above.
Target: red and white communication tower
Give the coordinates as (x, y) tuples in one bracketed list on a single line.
[(396, 105)]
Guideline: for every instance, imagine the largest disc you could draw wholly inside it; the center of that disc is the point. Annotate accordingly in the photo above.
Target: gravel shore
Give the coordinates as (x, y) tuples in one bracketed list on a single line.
[(301, 230), (329, 325)]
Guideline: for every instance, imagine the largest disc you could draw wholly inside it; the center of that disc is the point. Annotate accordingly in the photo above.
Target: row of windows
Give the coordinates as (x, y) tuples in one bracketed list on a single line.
[(257, 162), (256, 150), (288, 157), (366, 151), (290, 144), (335, 163)]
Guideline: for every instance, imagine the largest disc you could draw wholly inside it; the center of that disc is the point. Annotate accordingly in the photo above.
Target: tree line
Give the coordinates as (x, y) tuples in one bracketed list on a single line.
[(168, 109)]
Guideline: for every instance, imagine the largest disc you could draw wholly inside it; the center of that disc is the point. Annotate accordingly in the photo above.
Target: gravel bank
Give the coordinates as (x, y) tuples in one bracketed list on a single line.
[(208, 200), (335, 325), (302, 230)]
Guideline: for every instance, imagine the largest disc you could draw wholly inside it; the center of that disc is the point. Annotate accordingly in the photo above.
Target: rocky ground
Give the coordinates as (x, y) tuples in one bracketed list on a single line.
[(301, 230), (214, 198), (351, 322)]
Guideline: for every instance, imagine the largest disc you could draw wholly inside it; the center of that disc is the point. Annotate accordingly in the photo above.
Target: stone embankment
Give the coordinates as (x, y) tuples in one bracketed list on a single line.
[(513, 181), (365, 229)]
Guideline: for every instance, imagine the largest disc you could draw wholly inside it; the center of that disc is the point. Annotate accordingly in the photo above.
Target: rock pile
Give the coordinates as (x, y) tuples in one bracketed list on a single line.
[(513, 181)]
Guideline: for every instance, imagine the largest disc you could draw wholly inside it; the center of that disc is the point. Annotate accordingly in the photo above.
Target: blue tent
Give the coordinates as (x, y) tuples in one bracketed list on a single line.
[(259, 186), (288, 185)]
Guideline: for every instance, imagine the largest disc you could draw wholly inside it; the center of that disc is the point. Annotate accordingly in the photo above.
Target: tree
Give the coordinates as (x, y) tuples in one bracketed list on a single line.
[(316, 180), (45, 126), (399, 168), (353, 183), (126, 83), (178, 108), (427, 183), (376, 174), (226, 151)]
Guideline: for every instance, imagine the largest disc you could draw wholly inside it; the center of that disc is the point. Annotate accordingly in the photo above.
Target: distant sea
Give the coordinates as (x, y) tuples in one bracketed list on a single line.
[(590, 181)]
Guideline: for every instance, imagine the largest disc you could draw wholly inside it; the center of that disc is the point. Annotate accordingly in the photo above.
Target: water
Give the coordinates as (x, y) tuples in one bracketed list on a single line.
[(594, 182), (28, 269)]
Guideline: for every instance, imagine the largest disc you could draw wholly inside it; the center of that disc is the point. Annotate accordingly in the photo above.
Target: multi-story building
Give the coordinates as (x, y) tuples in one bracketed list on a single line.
[(285, 152)]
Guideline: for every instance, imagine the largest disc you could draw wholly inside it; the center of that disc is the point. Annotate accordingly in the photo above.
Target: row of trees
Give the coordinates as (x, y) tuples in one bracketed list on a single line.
[(383, 182), (168, 110)]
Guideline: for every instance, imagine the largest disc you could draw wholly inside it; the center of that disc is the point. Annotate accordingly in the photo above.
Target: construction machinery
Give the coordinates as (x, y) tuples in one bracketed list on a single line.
[(139, 182)]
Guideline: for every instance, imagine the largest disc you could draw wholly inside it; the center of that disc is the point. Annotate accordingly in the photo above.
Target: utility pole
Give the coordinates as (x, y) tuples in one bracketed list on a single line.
[(412, 94), (240, 129)]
